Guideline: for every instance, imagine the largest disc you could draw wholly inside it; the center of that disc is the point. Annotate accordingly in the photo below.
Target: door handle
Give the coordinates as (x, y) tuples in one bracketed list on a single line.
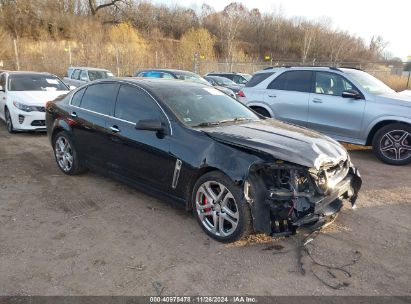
[(272, 96), (317, 100), (114, 129), (73, 114)]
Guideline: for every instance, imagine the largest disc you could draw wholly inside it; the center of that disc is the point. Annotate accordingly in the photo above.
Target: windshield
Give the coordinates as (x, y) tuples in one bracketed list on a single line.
[(222, 81), (191, 77), (96, 74), (198, 106), (35, 82), (368, 82)]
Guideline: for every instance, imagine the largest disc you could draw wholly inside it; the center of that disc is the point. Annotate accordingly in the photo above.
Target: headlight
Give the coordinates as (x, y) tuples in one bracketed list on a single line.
[(24, 107)]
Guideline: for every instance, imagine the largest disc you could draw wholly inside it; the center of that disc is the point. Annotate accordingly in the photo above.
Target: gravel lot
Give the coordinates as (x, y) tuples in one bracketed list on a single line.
[(89, 235)]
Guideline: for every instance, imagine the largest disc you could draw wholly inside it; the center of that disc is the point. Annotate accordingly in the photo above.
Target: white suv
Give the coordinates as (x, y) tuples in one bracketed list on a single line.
[(347, 104)]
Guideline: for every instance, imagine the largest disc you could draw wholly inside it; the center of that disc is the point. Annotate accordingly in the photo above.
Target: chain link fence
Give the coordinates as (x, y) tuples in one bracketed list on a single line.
[(394, 76)]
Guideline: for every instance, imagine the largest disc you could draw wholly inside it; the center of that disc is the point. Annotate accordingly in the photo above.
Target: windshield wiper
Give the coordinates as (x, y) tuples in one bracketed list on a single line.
[(208, 124), (235, 119)]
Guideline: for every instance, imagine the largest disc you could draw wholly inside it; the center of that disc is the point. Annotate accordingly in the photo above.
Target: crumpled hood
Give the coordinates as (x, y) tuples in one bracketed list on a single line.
[(35, 98), (283, 141), (395, 99)]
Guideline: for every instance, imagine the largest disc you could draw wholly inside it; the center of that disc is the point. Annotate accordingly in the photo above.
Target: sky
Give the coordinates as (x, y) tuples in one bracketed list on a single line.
[(363, 18)]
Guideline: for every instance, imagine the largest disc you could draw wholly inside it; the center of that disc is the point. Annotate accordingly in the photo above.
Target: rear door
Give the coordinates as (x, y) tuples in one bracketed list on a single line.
[(288, 96), (140, 155), (90, 110), (332, 114)]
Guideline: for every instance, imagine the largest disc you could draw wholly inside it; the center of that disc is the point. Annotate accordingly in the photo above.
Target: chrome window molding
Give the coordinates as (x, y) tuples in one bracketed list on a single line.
[(109, 116)]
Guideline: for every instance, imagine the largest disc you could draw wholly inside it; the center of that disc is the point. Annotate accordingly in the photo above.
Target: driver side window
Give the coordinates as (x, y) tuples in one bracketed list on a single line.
[(133, 104), (331, 84)]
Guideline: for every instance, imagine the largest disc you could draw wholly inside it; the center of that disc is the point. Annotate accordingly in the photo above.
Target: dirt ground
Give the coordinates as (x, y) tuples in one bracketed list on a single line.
[(89, 235)]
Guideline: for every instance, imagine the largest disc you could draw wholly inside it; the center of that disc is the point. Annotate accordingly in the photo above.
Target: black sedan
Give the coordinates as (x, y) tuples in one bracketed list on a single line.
[(239, 172)]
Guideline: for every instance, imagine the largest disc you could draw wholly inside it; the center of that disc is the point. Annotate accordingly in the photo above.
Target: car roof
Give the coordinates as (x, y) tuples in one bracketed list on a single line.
[(304, 68), (28, 73), (175, 71), (227, 73), (86, 68), (154, 83)]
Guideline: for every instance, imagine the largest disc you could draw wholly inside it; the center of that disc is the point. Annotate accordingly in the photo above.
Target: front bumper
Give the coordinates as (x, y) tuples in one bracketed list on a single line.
[(28, 121), (276, 215), (346, 190)]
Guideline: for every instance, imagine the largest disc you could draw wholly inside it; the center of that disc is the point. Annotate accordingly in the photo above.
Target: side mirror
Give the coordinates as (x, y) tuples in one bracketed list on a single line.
[(83, 78), (351, 94), (150, 125), (72, 87)]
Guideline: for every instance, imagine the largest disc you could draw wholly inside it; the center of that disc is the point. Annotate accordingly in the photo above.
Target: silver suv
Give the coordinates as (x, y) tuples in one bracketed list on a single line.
[(347, 104)]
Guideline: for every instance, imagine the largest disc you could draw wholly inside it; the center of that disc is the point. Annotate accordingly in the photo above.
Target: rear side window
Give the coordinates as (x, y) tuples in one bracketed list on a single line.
[(299, 81), (134, 104), (257, 78), (76, 99), (99, 98)]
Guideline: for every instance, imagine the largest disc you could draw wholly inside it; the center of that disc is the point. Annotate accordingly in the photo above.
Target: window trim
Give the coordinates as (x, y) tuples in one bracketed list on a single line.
[(342, 76), (115, 104), (120, 82)]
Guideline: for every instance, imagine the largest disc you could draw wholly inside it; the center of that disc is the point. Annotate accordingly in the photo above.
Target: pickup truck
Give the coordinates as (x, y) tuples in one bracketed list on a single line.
[(77, 76)]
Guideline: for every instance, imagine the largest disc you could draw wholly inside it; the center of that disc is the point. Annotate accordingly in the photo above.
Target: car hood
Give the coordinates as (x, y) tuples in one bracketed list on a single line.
[(35, 98), (283, 141), (395, 99)]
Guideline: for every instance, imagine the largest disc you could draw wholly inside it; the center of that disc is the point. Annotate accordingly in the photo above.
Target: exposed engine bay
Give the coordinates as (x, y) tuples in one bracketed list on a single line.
[(284, 196)]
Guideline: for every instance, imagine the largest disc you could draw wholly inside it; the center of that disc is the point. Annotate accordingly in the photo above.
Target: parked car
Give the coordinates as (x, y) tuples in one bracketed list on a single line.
[(77, 76), (406, 92), (238, 78), (347, 104), (23, 96), (236, 170), (218, 81), (181, 75)]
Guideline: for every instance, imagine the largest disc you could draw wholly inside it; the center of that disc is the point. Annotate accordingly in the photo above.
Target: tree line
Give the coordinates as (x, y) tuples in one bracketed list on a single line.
[(140, 33)]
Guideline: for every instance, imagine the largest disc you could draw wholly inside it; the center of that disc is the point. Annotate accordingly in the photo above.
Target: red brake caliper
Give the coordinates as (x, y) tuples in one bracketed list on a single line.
[(205, 203)]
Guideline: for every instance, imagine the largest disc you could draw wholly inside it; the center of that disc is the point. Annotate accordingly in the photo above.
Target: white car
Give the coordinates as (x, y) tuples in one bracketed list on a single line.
[(23, 97)]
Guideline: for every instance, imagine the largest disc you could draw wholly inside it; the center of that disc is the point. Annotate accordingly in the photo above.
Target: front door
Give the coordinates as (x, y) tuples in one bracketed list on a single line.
[(332, 114), (140, 155)]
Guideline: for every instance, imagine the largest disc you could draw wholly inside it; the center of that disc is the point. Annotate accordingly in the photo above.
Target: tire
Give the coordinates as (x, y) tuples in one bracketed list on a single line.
[(230, 208), (9, 122), (66, 155), (262, 111), (392, 144)]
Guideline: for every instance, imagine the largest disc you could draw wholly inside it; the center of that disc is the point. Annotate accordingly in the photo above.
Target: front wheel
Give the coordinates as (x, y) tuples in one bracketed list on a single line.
[(392, 144), (220, 208), (9, 122), (66, 155)]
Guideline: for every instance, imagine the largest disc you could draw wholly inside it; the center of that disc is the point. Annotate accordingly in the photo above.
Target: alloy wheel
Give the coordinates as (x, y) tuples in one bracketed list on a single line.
[(217, 209), (64, 154), (396, 145)]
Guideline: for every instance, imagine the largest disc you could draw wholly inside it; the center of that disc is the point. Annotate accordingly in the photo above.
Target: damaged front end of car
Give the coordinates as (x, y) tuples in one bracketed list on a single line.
[(284, 196)]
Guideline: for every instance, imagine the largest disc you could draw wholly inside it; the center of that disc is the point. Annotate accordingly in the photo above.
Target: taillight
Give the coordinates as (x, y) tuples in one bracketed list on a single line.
[(241, 94)]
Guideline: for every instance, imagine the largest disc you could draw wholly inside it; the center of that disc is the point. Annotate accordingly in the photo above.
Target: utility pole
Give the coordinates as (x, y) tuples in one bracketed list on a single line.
[(16, 54), (69, 51)]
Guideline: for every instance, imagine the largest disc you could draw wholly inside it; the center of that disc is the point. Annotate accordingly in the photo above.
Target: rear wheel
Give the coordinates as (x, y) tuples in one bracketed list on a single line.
[(392, 144), (261, 111), (9, 122), (66, 155), (220, 208)]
